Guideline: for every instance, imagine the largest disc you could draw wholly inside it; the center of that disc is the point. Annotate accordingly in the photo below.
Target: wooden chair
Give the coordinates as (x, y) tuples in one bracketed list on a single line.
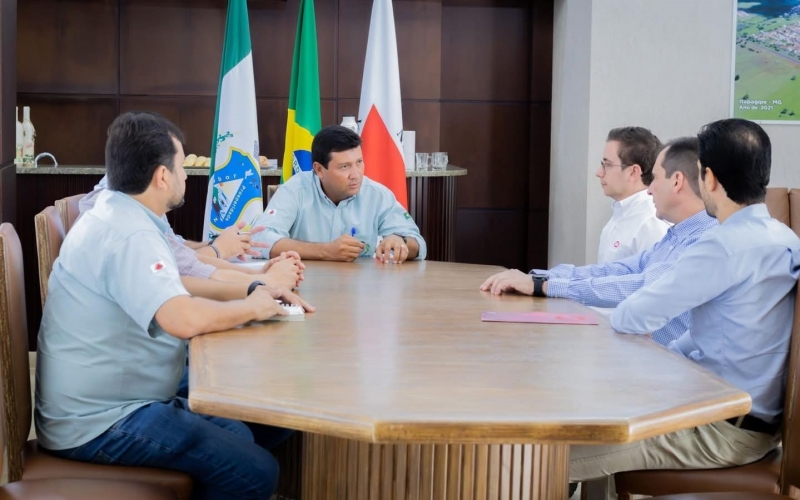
[(69, 210), (49, 237), (774, 473), (794, 210), (765, 471), (778, 205), (25, 459)]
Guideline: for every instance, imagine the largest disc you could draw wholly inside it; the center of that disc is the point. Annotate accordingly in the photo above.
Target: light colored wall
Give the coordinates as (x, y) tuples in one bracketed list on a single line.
[(661, 64)]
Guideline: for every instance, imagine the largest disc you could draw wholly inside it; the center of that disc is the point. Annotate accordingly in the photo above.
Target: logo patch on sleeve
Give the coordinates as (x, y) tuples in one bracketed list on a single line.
[(407, 215), (158, 266), (272, 211)]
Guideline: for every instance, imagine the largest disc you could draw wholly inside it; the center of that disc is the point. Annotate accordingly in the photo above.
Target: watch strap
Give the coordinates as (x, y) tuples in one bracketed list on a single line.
[(253, 286)]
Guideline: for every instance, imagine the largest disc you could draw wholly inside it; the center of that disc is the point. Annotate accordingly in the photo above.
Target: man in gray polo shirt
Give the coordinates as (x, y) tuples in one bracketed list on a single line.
[(112, 340)]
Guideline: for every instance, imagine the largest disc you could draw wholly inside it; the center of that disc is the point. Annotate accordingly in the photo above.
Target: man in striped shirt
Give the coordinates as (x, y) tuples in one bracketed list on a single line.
[(676, 194), (285, 270)]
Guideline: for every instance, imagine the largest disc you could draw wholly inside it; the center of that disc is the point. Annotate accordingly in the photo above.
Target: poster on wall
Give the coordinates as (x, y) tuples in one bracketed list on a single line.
[(766, 61)]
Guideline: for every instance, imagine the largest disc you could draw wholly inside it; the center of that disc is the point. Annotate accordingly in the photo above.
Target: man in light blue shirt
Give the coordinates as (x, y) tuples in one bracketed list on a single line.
[(111, 347), (676, 194), (335, 212), (738, 284)]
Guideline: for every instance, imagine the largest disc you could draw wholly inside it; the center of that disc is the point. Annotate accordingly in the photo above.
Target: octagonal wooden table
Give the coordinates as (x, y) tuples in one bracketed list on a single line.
[(404, 393)]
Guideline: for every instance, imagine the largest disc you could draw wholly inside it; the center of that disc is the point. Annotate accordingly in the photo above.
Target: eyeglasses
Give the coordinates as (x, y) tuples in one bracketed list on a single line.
[(605, 166)]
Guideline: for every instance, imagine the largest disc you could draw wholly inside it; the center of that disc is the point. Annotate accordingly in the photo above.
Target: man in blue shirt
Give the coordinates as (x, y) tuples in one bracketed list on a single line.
[(676, 194), (738, 283), (335, 212), (112, 342)]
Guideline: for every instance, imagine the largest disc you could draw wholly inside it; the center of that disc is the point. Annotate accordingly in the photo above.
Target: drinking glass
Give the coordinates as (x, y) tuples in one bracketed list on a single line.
[(423, 161), (439, 161)]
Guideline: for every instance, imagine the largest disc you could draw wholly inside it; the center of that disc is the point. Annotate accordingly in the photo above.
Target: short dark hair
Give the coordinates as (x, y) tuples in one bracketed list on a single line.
[(637, 146), (740, 154), (332, 139), (681, 156), (138, 142)]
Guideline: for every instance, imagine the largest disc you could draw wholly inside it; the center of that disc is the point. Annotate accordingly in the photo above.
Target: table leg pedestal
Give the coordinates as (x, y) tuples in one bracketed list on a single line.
[(342, 469)]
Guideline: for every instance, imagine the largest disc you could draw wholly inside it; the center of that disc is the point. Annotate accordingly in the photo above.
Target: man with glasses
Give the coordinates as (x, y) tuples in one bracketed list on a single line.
[(738, 283), (625, 172), (675, 192)]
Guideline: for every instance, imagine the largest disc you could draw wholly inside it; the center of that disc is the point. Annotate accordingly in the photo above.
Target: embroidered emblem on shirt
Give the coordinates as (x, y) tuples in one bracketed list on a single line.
[(158, 266), (271, 211), (407, 215), (616, 244)]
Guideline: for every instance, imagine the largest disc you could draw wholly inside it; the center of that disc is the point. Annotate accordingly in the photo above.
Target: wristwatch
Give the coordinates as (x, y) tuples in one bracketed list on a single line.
[(538, 284), (253, 286)]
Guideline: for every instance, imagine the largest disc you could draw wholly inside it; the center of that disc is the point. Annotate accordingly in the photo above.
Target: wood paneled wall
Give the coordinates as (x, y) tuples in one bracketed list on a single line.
[(8, 89), (475, 80)]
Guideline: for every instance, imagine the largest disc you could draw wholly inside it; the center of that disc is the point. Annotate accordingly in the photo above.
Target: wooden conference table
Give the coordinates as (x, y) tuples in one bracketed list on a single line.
[(404, 393)]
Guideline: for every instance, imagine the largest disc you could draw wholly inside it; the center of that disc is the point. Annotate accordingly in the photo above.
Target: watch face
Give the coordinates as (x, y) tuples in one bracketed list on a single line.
[(540, 276)]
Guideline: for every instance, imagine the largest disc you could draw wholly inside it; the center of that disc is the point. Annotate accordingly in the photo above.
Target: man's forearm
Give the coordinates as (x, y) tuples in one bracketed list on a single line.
[(307, 250), (224, 264), (233, 275), (215, 289), (195, 245), (186, 317)]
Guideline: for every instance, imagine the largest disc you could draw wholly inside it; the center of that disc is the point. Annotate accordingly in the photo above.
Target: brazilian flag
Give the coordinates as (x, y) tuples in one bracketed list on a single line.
[(304, 119)]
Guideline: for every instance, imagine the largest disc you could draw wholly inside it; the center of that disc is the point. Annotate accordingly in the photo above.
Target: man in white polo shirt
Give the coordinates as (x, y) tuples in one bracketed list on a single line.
[(625, 172)]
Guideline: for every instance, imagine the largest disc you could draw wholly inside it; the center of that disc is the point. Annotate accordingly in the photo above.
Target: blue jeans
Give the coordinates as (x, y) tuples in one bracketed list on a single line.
[(220, 454), (265, 436)]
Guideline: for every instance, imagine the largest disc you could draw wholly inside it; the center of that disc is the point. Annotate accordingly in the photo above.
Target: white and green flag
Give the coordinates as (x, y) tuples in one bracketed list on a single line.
[(234, 182)]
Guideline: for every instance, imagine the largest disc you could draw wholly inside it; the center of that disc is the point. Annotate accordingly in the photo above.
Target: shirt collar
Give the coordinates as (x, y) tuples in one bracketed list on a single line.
[(756, 211), (699, 221), (632, 203), (121, 199)]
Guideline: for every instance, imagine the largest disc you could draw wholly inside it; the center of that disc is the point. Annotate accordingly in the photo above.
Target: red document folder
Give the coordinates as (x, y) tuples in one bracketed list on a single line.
[(540, 317)]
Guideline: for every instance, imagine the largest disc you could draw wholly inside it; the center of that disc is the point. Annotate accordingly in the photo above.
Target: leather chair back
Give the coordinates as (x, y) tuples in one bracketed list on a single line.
[(50, 235), (69, 210), (778, 205), (16, 381), (790, 465), (794, 210)]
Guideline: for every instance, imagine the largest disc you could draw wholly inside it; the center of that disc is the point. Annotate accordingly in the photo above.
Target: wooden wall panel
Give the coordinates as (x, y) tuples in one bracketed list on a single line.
[(194, 115), (475, 78), (8, 87), (67, 46), (418, 26), (352, 46), (272, 31), (485, 50), (496, 237), (73, 128), (272, 115), (425, 118), (419, 48), (491, 140), (170, 48), (541, 52)]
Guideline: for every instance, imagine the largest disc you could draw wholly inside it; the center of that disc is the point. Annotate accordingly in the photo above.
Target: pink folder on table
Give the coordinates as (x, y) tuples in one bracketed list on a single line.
[(540, 317)]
